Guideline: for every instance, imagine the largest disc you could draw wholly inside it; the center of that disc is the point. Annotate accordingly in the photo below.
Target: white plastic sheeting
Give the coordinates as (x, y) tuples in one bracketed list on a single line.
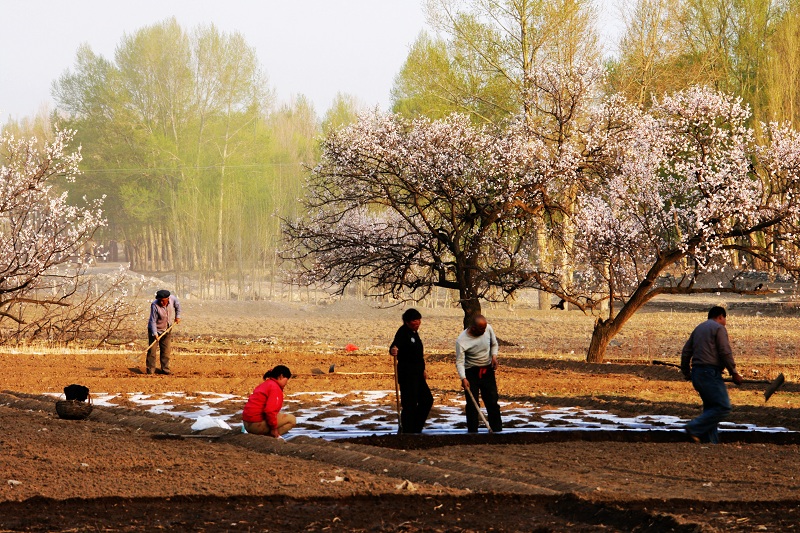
[(333, 415)]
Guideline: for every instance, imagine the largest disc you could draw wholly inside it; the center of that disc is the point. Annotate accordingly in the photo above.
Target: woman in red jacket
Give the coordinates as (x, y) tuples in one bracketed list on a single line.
[(261, 414)]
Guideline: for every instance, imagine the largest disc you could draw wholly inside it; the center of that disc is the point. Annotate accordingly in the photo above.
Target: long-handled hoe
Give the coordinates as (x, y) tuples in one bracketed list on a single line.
[(477, 408), (397, 397), (772, 386), (135, 358)]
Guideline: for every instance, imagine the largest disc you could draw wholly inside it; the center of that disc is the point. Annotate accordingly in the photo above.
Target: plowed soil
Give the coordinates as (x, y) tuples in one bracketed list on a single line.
[(131, 470)]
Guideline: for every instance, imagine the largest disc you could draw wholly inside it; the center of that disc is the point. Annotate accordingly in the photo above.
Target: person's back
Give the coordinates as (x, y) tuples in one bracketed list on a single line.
[(709, 345), (266, 397), (261, 414), (704, 356), (410, 352)]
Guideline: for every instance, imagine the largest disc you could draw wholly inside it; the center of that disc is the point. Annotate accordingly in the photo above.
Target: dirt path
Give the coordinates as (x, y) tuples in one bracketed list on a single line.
[(242, 482), (476, 513), (108, 472)]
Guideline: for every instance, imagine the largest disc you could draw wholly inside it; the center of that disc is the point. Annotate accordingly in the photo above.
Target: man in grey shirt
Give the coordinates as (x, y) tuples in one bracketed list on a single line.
[(709, 352), (476, 362)]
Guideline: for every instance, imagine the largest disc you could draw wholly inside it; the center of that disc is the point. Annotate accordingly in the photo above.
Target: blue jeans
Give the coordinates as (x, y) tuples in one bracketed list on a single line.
[(716, 403)]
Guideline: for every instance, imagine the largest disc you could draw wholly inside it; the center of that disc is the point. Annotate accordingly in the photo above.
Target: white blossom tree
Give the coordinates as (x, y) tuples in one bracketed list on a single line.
[(100, 307), (411, 205), (41, 233), (677, 193)]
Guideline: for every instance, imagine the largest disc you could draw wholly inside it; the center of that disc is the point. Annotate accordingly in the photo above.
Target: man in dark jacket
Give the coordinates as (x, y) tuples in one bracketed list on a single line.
[(415, 396), (709, 352)]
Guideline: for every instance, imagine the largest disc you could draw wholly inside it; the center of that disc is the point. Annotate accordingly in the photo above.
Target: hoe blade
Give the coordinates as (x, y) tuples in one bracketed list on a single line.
[(774, 386)]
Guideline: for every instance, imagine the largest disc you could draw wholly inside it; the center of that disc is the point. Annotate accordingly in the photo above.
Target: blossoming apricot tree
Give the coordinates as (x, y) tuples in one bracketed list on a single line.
[(679, 192), (419, 204), (635, 204), (41, 235)]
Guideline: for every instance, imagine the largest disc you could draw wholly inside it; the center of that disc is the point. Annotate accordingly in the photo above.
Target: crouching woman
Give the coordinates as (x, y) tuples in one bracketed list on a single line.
[(261, 414)]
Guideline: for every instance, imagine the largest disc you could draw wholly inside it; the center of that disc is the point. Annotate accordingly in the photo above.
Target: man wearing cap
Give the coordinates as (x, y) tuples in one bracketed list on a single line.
[(164, 312)]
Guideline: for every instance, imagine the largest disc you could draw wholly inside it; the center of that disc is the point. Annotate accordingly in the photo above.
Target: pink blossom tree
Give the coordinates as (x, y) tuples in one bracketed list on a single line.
[(676, 193), (411, 205), (634, 204), (42, 233)]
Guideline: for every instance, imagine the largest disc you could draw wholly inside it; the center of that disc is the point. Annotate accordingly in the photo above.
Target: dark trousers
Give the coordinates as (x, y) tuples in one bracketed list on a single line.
[(163, 346), (416, 400), (716, 403), (482, 383)]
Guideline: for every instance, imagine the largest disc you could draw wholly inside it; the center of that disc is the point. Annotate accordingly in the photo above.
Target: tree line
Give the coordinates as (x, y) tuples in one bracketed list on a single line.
[(480, 56), (195, 158)]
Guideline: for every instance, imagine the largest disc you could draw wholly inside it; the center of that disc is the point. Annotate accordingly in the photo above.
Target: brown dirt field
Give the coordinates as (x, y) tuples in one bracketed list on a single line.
[(109, 473)]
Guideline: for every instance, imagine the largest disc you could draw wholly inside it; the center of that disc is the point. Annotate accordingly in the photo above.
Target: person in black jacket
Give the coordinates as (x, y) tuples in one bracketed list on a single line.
[(415, 396)]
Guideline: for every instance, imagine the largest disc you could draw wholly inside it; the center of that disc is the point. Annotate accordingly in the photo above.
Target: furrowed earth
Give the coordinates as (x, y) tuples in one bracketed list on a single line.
[(587, 447)]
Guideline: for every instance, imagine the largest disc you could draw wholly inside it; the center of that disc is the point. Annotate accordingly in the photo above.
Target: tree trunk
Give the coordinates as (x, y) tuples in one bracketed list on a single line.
[(159, 250), (220, 213), (604, 331), (545, 260), (169, 251), (544, 300), (131, 255), (151, 247), (471, 307)]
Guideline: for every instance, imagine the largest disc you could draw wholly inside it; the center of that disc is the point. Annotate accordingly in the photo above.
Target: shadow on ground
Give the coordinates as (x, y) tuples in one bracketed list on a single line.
[(390, 513)]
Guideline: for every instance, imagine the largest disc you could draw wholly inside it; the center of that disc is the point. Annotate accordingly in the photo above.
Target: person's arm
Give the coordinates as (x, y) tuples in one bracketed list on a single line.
[(424, 369), (151, 323), (271, 409), (460, 365), (686, 358), (177, 305), (394, 348), (494, 346), (726, 354)]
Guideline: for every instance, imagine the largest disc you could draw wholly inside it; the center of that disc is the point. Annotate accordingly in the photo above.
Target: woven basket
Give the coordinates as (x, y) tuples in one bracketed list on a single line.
[(73, 409)]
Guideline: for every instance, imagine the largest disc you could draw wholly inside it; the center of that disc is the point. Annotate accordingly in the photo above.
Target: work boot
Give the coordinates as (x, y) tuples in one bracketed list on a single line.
[(165, 371), (151, 370)]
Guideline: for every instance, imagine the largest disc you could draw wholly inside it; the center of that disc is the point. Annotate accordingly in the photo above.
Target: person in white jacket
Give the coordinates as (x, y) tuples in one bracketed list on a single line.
[(476, 362)]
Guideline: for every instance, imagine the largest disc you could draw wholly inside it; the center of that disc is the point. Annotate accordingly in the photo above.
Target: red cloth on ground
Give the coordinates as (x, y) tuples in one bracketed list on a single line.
[(264, 404)]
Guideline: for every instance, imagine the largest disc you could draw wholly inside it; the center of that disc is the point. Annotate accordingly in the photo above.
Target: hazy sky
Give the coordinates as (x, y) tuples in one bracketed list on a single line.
[(311, 47)]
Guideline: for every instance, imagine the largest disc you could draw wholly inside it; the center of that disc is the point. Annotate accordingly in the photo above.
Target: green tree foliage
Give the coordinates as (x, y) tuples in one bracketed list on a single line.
[(180, 132), (484, 62), (783, 68), (433, 84), (343, 111), (649, 54), (744, 47), (725, 38)]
